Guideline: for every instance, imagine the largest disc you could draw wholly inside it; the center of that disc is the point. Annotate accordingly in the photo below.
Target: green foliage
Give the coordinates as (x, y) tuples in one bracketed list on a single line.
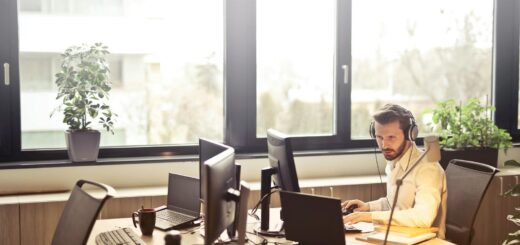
[(83, 87), (468, 125)]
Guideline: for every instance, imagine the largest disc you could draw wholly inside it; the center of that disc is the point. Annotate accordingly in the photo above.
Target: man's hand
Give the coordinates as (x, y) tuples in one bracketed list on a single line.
[(362, 206), (357, 217)]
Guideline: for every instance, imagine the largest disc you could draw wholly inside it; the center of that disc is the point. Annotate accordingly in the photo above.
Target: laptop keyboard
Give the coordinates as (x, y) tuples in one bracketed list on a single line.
[(173, 217), (123, 236)]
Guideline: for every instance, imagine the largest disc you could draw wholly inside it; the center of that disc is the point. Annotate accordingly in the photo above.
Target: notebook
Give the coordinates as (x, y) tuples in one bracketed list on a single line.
[(395, 239), (311, 219), (183, 204), (406, 231)]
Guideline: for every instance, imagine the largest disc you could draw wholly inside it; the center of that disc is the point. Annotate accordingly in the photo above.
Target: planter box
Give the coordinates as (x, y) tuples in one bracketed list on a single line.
[(82, 146), (487, 156)]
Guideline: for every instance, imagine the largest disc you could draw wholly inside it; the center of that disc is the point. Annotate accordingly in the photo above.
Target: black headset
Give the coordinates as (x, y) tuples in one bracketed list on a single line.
[(410, 132)]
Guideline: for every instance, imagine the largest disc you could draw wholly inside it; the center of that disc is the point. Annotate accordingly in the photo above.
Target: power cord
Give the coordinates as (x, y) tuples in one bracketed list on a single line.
[(255, 208), (379, 172)]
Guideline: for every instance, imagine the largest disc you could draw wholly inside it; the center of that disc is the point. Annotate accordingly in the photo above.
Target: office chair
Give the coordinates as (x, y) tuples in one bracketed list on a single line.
[(79, 214), (467, 183)]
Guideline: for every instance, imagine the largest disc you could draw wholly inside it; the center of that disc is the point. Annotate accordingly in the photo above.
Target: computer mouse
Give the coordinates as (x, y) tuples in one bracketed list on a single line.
[(351, 229), (349, 210)]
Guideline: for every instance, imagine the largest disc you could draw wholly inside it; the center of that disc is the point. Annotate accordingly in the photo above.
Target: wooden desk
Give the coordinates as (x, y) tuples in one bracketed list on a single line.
[(192, 236)]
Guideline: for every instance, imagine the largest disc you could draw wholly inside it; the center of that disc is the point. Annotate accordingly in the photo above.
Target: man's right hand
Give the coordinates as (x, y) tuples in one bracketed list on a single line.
[(362, 206)]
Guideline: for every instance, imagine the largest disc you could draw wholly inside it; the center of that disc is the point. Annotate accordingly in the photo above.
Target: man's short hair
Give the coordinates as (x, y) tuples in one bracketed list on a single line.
[(391, 113)]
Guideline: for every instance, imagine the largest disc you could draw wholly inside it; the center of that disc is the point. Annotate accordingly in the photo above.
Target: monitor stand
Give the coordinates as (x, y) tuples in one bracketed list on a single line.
[(224, 239), (238, 236), (265, 189), (276, 231)]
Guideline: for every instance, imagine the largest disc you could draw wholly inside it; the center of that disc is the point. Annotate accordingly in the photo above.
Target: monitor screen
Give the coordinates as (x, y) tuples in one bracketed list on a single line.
[(282, 172), (207, 150), (219, 176), (281, 158)]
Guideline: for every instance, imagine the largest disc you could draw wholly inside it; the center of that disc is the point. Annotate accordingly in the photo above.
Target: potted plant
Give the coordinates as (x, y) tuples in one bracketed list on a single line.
[(467, 131), (83, 87)]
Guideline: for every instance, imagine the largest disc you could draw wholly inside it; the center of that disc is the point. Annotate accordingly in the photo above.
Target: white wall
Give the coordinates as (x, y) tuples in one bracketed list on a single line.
[(155, 174)]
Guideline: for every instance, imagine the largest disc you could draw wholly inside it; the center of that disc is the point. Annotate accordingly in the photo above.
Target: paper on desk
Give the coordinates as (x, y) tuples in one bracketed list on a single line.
[(364, 226), (394, 239)]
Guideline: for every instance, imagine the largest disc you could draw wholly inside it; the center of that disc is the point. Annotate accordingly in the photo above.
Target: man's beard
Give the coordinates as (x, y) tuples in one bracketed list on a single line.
[(399, 152)]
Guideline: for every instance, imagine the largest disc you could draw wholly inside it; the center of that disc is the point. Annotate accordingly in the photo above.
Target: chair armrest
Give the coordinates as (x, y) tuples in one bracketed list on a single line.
[(110, 191)]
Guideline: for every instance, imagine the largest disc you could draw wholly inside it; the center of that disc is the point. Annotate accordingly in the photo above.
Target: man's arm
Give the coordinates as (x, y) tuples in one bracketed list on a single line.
[(380, 204)]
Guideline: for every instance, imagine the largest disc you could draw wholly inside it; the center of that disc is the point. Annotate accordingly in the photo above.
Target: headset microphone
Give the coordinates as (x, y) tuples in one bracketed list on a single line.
[(432, 153)]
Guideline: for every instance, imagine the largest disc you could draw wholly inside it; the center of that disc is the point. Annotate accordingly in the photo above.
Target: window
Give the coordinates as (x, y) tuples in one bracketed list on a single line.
[(158, 66), (418, 55), (295, 67), (229, 70)]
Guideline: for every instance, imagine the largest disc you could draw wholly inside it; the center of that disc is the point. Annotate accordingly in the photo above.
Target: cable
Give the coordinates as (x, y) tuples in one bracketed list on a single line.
[(253, 211), (379, 172)]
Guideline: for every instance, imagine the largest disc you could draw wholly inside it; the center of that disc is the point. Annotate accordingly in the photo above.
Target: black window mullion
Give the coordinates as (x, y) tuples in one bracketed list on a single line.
[(505, 66), (343, 65), (9, 94), (240, 73)]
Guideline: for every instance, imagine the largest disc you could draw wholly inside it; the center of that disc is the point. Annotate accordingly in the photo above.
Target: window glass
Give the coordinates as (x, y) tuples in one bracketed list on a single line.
[(166, 74), (295, 66), (415, 53)]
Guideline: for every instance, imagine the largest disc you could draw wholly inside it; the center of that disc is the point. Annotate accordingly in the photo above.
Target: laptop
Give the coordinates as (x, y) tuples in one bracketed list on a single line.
[(311, 219), (183, 204)]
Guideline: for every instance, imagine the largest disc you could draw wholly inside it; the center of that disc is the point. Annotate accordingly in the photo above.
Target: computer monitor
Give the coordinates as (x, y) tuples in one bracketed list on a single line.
[(207, 150), (282, 172), (280, 154), (220, 194)]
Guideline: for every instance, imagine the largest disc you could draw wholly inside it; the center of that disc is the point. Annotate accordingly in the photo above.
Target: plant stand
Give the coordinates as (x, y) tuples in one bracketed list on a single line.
[(487, 156)]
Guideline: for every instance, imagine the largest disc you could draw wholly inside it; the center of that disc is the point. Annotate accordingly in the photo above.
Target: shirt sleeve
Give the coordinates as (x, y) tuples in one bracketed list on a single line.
[(380, 204), (428, 193)]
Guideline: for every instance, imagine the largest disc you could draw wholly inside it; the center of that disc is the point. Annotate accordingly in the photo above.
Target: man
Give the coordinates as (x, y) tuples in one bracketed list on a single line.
[(422, 196)]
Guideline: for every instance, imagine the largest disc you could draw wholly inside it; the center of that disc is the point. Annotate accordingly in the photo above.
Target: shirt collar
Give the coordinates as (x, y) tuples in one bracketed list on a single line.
[(405, 159)]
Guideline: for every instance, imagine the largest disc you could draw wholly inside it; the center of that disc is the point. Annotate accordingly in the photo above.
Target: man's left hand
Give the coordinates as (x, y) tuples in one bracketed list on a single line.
[(357, 217)]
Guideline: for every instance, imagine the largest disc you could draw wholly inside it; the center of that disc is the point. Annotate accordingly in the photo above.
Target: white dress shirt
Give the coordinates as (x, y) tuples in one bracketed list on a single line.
[(422, 196)]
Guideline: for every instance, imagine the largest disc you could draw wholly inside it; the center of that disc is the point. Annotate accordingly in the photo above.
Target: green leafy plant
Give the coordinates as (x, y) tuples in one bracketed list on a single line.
[(468, 125), (83, 87)]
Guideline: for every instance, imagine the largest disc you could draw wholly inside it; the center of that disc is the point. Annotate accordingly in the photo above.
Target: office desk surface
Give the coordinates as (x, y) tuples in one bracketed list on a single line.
[(191, 236)]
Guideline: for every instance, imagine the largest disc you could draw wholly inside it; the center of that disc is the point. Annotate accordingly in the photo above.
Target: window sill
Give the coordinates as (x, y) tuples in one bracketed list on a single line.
[(62, 196), (163, 159)]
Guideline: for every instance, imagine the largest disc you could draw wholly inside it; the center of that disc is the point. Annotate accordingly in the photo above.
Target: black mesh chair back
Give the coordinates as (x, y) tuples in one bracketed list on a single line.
[(467, 183), (79, 214)]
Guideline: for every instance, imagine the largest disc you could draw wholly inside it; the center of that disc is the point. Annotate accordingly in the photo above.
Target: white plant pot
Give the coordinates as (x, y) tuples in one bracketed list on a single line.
[(82, 145)]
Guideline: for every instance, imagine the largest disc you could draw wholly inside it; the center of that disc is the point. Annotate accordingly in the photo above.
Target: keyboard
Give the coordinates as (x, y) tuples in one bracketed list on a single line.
[(173, 217), (123, 236)]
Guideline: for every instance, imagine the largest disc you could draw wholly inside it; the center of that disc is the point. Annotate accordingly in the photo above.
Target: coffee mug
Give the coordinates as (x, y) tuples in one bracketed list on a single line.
[(146, 220)]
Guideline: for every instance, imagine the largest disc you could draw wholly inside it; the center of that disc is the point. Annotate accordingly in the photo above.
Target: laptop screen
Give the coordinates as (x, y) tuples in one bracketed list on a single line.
[(183, 194), (311, 219)]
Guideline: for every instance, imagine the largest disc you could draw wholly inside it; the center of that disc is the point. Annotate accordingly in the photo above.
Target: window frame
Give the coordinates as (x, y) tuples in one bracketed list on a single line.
[(9, 99), (506, 65), (240, 87)]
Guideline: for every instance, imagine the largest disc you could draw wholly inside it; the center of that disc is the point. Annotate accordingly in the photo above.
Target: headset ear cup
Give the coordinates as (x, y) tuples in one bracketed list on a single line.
[(413, 132), (371, 130)]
